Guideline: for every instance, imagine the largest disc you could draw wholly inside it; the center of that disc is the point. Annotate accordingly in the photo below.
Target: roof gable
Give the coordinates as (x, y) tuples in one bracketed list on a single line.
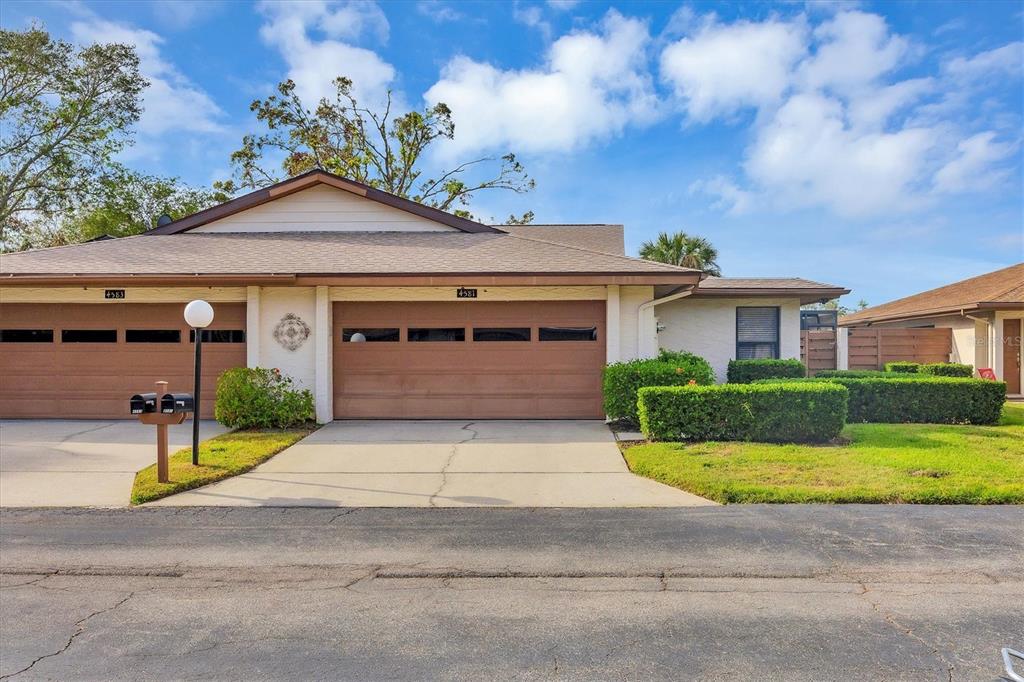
[(383, 211), (1002, 288)]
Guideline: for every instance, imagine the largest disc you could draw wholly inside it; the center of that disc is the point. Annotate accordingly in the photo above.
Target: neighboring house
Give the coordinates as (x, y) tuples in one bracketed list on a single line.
[(985, 314), (381, 306)]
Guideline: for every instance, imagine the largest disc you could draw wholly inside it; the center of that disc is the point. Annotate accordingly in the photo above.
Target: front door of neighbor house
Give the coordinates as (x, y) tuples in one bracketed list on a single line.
[(1011, 355)]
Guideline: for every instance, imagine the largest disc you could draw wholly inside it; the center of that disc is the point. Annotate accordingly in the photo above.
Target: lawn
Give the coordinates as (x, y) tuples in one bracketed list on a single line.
[(221, 457), (876, 463)]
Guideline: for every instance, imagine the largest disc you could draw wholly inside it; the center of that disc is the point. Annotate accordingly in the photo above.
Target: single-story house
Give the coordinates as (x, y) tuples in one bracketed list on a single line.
[(985, 314), (382, 307)]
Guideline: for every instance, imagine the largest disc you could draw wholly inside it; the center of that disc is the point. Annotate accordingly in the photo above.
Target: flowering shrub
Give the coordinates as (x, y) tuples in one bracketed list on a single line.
[(261, 398)]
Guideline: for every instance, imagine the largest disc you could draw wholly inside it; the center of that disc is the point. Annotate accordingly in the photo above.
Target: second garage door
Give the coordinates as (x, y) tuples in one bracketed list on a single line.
[(83, 361), (469, 360)]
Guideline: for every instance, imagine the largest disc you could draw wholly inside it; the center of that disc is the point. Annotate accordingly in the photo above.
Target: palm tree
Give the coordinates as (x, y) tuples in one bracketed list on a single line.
[(683, 250)]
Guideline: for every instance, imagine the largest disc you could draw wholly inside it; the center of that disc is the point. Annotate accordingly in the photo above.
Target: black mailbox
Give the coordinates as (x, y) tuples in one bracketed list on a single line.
[(143, 403), (175, 403)]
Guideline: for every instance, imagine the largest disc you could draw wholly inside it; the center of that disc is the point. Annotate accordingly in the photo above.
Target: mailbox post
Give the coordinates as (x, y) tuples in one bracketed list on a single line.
[(150, 412)]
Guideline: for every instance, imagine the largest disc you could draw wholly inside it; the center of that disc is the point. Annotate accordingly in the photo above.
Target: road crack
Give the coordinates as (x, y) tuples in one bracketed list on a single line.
[(451, 458), (909, 632), (79, 629)]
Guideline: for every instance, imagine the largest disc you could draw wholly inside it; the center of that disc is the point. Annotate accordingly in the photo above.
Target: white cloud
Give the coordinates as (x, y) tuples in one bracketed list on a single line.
[(806, 155), (438, 11), (854, 50), (311, 37), (833, 127), (725, 67), (730, 198), (1006, 60), (976, 165), (172, 101), (592, 85), (533, 17), (563, 5)]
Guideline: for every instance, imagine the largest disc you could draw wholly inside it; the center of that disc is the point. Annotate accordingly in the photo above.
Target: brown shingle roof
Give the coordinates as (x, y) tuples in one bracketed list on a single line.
[(602, 238), (1002, 288), (387, 253), (806, 290)]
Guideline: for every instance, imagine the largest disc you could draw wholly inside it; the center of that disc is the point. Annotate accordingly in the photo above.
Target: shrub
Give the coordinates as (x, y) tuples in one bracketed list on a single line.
[(920, 399), (260, 398), (947, 369), (746, 371), (903, 367), (671, 368), (862, 374), (780, 412)]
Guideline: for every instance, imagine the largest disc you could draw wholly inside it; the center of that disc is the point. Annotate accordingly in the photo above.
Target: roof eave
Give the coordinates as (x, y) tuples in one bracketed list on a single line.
[(852, 321), (806, 295)]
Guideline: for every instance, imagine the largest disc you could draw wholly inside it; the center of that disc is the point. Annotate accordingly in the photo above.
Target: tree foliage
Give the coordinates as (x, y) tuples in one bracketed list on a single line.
[(64, 113), (683, 250), (377, 148)]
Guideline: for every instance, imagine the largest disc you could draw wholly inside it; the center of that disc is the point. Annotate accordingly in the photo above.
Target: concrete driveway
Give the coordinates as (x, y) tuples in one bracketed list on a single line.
[(445, 464), (56, 463)]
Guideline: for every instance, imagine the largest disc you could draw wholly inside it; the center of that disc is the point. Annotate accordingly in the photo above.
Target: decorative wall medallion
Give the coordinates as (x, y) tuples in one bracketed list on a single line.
[(291, 332)]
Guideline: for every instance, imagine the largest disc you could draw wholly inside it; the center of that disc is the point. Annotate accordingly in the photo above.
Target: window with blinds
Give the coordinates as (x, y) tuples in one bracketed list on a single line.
[(757, 333)]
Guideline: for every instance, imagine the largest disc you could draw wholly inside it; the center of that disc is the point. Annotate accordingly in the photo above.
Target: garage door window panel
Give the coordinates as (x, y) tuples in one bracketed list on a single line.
[(568, 333), (219, 336), (757, 333), (372, 334), (152, 336), (513, 334), (26, 336), (436, 334), (88, 336)]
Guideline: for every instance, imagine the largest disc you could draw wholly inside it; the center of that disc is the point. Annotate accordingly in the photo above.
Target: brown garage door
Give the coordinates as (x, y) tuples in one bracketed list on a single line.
[(469, 360), (83, 361)]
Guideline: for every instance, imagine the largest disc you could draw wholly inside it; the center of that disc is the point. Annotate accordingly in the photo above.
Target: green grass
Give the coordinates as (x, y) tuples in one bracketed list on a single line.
[(221, 457), (874, 463)]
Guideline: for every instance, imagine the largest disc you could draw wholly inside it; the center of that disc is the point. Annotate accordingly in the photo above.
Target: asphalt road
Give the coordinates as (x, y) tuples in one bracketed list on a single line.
[(736, 592)]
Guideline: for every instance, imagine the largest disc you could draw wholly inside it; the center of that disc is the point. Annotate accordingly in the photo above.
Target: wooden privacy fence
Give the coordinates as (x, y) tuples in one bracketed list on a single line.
[(818, 349), (872, 347)]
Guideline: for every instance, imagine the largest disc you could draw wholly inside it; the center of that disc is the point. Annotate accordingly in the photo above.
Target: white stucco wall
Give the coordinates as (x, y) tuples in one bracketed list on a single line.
[(707, 327), (630, 344), (275, 303)]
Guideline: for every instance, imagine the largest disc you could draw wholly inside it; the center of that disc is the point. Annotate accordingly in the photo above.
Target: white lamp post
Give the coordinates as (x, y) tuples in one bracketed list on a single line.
[(199, 316)]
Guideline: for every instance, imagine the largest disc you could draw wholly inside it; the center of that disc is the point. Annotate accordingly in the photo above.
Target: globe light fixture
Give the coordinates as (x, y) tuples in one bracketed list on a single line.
[(358, 337), (199, 316)]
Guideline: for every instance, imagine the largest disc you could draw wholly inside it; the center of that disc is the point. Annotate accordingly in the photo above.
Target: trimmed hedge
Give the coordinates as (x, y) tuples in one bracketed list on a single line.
[(746, 371), (780, 412), (919, 399), (863, 374), (947, 369), (903, 367), (260, 398), (622, 380)]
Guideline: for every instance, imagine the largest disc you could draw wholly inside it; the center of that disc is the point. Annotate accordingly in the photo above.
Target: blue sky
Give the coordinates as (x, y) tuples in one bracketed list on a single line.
[(873, 145)]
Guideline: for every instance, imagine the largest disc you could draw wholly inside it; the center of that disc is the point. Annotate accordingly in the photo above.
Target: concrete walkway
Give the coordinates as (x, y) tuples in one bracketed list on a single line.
[(80, 463), (445, 464)]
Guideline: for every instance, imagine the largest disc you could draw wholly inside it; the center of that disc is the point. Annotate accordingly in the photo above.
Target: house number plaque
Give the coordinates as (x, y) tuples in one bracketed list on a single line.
[(113, 293), (463, 292)]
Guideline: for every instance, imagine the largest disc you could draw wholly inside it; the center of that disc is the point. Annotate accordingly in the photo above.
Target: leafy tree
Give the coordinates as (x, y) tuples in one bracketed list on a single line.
[(64, 113), (835, 305), (683, 250), (376, 148)]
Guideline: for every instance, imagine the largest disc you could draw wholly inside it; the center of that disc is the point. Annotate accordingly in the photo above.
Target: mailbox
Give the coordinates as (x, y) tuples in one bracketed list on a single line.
[(176, 403), (142, 403)]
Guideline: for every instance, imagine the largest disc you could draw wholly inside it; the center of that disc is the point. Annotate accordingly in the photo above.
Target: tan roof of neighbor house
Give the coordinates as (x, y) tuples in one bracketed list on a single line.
[(327, 253), (1002, 289), (808, 290), (602, 238)]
